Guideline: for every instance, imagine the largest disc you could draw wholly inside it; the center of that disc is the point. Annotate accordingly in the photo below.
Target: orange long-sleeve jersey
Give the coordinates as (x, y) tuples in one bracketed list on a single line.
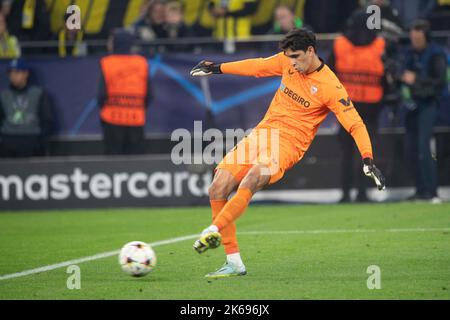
[(303, 101)]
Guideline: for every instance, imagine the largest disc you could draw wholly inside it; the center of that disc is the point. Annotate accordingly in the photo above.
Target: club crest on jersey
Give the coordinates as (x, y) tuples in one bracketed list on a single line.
[(294, 96)]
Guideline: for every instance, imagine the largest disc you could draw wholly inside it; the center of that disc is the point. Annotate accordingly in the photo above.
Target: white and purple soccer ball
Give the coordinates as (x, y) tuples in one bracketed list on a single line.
[(137, 258)]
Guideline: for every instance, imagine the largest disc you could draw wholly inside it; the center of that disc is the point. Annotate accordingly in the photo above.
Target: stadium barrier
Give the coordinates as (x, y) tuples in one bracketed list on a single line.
[(153, 180), (100, 182)]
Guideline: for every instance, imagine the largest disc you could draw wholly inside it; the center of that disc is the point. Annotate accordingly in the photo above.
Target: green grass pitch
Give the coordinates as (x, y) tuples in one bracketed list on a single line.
[(290, 251)]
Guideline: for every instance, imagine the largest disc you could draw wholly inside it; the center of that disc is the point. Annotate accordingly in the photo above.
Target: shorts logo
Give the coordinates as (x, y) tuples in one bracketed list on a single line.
[(346, 103), (294, 96)]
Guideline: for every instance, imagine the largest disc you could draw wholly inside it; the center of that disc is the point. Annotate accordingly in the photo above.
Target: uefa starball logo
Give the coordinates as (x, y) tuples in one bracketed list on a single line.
[(73, 21), (259, 146)]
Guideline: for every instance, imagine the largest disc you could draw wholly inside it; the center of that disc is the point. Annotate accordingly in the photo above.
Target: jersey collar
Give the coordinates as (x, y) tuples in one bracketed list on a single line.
[(322, 64)]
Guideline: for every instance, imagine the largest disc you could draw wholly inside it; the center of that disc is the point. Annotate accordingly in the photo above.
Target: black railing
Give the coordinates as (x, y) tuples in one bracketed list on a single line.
[(99, 45)]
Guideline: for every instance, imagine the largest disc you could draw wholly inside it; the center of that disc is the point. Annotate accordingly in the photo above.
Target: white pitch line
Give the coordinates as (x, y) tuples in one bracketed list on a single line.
[(179, 239), (345, 231), (86, 259)]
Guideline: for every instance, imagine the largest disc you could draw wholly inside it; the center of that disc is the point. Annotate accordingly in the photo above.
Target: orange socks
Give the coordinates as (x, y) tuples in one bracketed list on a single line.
[(224, 213), (229, 240), (233, 209)]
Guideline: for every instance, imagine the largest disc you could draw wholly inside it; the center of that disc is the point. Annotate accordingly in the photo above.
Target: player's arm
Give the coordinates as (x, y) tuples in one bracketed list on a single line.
[(259, 67), (339, 102)]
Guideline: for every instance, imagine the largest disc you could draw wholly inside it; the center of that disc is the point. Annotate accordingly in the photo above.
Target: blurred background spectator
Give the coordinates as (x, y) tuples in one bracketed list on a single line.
[(175, 25), (70, 41), (151, 25), (123, 96), (232, 18), (9, 45), (25, 115), (263, 19), (27, 19), (285, 20), (425, 79)]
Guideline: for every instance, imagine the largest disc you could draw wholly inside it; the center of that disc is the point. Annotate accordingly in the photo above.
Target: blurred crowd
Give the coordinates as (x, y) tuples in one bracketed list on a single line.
[(22, 21)]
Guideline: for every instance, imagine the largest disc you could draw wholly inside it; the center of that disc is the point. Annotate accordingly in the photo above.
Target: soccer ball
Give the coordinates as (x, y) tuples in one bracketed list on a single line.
[(137, 258)]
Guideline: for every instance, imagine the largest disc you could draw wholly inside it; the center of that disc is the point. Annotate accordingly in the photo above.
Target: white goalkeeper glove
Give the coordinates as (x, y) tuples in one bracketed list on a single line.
[(372, 171), (205, 68)]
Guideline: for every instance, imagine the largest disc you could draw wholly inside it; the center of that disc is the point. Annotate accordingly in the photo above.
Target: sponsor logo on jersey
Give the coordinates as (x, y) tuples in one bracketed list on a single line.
[(294, 96)]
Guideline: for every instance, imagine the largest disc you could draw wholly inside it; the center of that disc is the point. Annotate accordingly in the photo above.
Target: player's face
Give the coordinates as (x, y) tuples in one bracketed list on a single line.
[(301, 60)]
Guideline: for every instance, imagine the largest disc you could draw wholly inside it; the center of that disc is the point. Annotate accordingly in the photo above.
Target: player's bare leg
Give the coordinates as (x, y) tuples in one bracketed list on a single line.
[(224, 221), (256, 179), (224, 183)]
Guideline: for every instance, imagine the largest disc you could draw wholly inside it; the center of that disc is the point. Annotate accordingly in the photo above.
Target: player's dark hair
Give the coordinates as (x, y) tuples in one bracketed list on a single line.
[(298, 39)]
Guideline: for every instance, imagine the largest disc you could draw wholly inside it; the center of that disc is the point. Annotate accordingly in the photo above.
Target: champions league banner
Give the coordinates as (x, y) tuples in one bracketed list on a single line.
[(99, 182)]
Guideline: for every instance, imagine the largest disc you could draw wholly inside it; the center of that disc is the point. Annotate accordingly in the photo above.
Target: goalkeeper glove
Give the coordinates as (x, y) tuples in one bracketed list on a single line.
[(205, 68), (372, 171)]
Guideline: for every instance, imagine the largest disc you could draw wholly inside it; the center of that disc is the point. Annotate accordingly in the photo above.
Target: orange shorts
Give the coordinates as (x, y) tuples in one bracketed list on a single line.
[(264, 146)]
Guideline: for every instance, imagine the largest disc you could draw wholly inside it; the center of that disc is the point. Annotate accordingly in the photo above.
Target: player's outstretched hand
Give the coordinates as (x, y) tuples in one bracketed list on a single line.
[(205, 68), (372, 171)]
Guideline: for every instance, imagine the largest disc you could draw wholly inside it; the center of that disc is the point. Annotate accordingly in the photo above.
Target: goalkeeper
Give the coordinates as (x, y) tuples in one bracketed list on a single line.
[(309, 90)]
